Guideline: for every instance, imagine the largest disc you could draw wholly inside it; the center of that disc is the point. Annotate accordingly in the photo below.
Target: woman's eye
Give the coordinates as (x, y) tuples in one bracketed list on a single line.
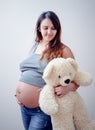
[(53, 28), (45, 28)]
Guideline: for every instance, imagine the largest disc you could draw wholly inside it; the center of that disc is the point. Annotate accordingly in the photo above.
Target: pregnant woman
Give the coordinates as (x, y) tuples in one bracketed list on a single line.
[(47, 46)]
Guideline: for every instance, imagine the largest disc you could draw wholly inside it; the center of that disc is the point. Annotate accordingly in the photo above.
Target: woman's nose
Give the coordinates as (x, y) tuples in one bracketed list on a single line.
[(49, 31)]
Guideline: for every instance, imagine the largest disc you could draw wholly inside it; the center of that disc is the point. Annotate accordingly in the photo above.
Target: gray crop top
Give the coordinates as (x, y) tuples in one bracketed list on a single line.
[(32, 70)]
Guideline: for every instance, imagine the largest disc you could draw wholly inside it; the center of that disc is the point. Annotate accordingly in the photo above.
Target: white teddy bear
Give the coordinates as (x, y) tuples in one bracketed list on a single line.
[(68, 112)]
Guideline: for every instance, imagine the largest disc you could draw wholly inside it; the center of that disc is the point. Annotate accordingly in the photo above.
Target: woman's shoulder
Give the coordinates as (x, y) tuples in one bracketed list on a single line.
[(67, 51), (33, 46)]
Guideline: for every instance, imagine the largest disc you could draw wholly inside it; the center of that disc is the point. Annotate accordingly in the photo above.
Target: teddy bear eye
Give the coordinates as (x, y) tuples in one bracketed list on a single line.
[(59, 76), (70, 73)]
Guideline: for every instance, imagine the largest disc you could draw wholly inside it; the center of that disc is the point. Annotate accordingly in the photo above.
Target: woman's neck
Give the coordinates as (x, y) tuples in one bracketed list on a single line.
[(41, 47), (44, 43)]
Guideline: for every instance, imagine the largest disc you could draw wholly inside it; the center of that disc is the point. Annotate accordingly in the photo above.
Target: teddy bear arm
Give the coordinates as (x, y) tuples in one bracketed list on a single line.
[(47, 101)]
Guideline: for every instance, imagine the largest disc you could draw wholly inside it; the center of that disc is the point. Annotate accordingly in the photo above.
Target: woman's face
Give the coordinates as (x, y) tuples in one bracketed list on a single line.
[(47, 30)]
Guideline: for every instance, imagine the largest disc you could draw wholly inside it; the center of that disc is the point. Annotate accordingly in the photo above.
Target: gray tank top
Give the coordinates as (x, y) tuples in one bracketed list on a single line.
[(32, 69)]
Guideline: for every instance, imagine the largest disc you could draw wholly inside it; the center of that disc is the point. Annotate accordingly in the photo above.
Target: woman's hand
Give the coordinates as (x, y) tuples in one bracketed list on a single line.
[(21, 104), (60, 91)]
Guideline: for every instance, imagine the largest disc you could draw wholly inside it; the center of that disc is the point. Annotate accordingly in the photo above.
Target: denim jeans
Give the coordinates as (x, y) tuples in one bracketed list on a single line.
[(35, 119)]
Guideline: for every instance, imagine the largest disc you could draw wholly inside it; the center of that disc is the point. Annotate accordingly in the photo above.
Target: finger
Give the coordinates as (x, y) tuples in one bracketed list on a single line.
[(21, 104), (57, 86), (15, 95), (39, 89)]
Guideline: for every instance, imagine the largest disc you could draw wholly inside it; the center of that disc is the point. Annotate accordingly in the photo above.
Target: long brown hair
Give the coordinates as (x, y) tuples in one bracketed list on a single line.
[(55, 48)]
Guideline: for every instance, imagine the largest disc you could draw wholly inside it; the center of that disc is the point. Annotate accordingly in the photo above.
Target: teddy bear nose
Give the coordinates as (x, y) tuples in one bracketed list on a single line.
[(67, 81)]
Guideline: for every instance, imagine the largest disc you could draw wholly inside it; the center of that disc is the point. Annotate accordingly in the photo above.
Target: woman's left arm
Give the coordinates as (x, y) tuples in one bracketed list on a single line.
[(60, 91), (73, 86)]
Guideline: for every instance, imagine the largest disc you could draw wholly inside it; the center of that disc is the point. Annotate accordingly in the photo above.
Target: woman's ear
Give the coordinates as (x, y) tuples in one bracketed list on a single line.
[(39, 29)]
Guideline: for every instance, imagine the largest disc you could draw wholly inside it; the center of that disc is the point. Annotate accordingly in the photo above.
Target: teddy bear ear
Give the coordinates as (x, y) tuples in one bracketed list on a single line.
[(48, 71), (73, 63), (83, 78)]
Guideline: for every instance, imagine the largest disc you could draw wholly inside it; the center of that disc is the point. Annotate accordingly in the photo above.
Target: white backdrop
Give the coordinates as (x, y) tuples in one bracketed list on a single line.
[(17, 23)]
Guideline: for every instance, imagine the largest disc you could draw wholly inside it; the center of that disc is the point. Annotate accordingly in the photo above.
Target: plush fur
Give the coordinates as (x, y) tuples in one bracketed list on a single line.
[(68, 112)]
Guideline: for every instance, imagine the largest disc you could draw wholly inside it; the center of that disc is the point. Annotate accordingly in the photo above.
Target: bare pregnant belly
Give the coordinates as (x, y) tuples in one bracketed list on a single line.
[(28, 95)]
